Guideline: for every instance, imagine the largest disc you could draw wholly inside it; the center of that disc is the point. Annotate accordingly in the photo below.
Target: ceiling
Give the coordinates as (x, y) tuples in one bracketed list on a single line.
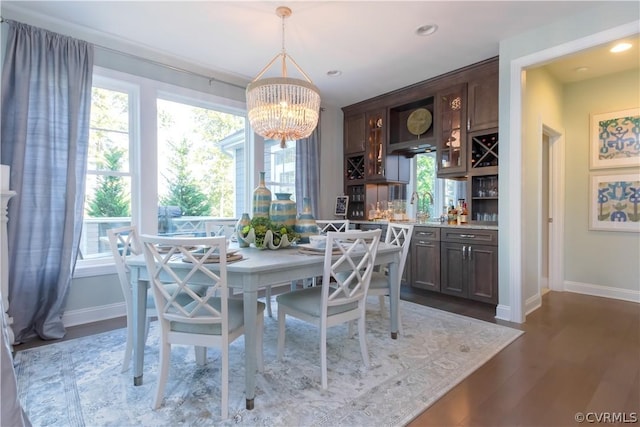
[(373, 44)]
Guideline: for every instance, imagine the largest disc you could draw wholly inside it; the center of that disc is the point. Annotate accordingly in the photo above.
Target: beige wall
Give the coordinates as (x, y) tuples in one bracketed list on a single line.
[(542, 105), (594, 261), (602, 258)]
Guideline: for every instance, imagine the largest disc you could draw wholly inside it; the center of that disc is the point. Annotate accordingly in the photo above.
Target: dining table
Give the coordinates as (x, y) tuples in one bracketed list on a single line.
[(257, 269)]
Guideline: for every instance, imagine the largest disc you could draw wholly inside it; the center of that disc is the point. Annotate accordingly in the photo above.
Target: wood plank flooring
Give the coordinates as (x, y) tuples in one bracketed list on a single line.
[(579, 354)]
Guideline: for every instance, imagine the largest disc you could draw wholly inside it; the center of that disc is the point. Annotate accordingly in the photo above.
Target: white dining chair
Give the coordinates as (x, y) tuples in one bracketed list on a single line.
[(326, 225), (225, 228), (398, 235), (340, 298), (124, 243), (210, 320)]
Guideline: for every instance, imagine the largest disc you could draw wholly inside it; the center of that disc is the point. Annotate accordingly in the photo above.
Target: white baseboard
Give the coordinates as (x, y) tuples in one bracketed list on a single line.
[(503, 312), (94, 314), (532, 303), (602, 291)]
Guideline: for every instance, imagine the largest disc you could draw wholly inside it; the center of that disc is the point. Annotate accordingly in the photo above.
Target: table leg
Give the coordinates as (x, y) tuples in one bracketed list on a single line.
[(394, 298), (139, 318), (250, 336)]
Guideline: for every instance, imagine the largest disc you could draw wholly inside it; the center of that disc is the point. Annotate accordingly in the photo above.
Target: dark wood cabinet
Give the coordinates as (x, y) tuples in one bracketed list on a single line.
[(482, 98), (469, 264), (451, 139), (354, 133), (425, 258)]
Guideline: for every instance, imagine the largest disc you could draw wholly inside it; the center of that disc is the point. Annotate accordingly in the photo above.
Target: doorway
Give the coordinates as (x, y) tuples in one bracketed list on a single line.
[(551, 215)]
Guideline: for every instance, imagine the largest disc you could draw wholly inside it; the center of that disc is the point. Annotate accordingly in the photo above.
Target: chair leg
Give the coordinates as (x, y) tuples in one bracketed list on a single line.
[(323, 356), (201, 355), (381, 300), (281, 325), (224, 407), (165, 358), (363, 341), (267, 293)]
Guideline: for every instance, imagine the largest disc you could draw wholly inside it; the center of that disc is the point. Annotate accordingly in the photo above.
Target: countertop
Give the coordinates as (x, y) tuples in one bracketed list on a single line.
[(432, 224)]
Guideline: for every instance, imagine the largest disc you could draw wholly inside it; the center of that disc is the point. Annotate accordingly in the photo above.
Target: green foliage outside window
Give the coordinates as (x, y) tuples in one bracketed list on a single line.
[(110, 198)]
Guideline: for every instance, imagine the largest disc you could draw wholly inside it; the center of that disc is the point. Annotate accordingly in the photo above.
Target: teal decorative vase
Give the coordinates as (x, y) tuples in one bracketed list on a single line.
[(283, 210), (242, 222), (305, 223), (261, 199)]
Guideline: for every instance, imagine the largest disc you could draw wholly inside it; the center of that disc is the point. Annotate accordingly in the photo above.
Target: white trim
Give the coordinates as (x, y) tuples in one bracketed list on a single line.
[(503, 312), (602, 291), (94, 314), (514, 229), (533, 303), (556, 239)]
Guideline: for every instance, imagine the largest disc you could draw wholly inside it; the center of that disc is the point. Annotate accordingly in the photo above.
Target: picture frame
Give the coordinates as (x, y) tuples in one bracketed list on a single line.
[(614, 202), (615, 139), (341, 205)]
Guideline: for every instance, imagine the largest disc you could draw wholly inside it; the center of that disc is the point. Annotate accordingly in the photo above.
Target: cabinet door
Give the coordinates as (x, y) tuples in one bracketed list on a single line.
[(425, 264), (482, 103), (451, 148), (375, 145), (482, 263), (453, 272), (354, 134)]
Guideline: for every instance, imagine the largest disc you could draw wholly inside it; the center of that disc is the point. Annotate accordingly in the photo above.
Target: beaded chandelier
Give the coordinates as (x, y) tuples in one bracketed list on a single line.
[(283, 108)]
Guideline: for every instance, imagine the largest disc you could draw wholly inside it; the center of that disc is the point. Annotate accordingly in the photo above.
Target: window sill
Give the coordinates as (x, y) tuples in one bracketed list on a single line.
[(91, 270)]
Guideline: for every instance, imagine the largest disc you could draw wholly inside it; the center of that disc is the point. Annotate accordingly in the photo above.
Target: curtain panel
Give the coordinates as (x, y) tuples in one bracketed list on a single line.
[(308, 170), (46, 100)]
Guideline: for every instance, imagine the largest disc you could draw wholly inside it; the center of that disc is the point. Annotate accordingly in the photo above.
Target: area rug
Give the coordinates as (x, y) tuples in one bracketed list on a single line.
[(80, 383)]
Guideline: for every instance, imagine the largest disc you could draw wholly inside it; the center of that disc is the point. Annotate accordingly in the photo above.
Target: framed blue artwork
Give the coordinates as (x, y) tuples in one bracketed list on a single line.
[(615, 139), (615, 202)]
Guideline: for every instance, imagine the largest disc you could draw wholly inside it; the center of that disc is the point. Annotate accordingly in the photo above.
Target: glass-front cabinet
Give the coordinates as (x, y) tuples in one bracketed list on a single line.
[(483, 174), (376, 150), (452, 136)]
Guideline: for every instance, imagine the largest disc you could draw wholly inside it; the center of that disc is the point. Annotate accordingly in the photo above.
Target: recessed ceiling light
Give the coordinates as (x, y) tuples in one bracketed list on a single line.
[(426, 30), (334, 73), (620, 47), (581, 69)]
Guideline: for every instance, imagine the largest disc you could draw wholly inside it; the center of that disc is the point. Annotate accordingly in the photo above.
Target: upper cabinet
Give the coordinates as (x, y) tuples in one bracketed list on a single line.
[(354, 133), (452, 134), (482, 101)]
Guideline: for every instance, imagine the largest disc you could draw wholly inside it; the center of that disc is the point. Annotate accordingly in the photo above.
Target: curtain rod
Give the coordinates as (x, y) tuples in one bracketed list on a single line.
[(152, 61)]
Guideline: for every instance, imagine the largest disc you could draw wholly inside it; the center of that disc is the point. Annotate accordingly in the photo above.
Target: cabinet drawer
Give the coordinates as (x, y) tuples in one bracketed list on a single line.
[(426, 233), (485, 237)]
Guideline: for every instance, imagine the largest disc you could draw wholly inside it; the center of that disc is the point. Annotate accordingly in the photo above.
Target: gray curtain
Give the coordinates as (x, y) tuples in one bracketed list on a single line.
[(308, 170), (46, 101)]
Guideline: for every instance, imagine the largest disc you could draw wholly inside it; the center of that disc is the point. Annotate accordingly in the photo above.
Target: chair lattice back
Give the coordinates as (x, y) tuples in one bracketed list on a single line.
[(220, 228), (124, 242), (346, 279), (327, 225), (400, 235), (162, 254)]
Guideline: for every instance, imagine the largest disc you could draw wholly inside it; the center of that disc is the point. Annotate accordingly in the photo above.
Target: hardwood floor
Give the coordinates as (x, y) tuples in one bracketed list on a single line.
[(579, 354)]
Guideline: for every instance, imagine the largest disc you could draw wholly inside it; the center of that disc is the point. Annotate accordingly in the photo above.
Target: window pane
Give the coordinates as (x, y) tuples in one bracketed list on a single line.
[(280, 167), (200, 166), (108, 182)]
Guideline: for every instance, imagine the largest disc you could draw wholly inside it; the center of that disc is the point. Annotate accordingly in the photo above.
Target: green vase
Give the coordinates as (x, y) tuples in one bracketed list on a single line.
[(242, 222)]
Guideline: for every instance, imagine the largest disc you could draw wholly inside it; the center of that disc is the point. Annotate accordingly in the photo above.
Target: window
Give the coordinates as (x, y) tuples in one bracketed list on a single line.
[(108, 181), (280, 167), (166, 158), (442, 191), (199, 150)]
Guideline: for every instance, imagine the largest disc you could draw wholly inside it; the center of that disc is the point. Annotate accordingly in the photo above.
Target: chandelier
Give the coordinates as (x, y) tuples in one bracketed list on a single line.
[(283, 108)]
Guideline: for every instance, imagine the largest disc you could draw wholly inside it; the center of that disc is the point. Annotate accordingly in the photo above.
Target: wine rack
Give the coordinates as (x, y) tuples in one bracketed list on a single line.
[(354, 168), (484, 150)]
